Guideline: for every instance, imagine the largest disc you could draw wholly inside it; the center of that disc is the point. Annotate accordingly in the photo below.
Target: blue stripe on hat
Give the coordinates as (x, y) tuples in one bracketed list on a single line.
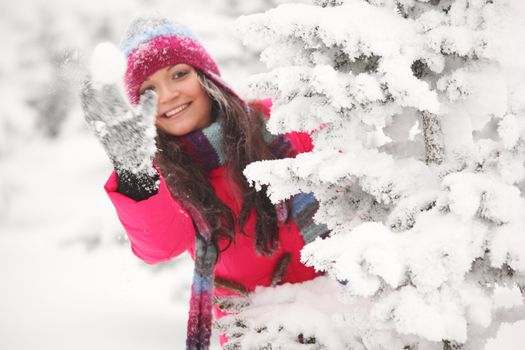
[(174, 29)]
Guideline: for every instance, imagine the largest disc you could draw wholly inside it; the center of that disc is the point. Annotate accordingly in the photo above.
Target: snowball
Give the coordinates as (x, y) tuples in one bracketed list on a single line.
[(108, 64)]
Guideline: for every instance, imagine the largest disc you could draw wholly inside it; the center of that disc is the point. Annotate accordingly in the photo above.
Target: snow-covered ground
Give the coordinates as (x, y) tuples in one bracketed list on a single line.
[(57, 295), (69, 279)]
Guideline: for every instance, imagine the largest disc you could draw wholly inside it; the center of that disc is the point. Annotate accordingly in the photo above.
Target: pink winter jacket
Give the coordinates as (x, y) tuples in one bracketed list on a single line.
[(160, 229)]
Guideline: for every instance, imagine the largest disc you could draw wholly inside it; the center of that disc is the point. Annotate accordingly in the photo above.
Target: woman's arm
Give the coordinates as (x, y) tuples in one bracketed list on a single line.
[(158, 227)]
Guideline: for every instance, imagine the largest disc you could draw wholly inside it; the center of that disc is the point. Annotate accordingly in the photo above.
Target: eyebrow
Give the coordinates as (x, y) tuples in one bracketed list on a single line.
[(169, 68), (178, 64)]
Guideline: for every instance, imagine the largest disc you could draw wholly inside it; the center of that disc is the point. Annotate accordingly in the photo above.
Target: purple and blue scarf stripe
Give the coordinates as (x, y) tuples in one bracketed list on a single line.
[(204, 149), (304, 207), (206, 146)]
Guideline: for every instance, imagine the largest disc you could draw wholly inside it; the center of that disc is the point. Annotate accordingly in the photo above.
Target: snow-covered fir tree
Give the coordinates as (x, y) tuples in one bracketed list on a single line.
[(417, 114)]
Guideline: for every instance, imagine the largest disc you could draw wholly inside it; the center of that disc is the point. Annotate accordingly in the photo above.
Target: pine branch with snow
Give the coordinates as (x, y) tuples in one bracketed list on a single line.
[(417, 113)]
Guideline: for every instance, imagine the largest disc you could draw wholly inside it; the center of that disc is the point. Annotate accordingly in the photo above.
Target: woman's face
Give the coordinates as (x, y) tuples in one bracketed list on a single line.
[(182, 104)]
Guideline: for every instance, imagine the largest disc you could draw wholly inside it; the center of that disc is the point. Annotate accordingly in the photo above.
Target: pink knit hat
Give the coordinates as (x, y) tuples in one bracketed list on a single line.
[(152, 43)]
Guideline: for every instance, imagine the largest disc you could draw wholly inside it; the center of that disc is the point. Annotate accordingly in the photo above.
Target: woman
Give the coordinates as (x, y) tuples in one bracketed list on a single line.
[(189, 193)]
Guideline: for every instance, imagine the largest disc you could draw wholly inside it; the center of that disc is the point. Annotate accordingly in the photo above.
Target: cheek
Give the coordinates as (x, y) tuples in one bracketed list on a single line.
[(160, 125), (207, 111), (204, 102), (197, 91)]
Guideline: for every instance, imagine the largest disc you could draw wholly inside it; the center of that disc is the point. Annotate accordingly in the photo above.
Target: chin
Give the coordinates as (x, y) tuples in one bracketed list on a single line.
[(180, 131), (175, 130)]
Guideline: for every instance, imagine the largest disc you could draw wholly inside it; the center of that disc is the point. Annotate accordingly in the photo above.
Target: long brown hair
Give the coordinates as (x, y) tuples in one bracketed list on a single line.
[(243, 143)]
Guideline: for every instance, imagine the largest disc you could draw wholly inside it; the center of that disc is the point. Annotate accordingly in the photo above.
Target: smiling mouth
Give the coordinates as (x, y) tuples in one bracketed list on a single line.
[(175, 112)]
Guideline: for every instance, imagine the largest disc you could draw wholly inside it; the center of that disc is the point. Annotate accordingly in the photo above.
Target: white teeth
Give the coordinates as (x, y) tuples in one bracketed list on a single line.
[(177, 110)]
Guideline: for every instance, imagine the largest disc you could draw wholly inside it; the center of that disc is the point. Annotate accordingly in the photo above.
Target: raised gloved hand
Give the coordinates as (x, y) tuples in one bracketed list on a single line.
[(127, 134)]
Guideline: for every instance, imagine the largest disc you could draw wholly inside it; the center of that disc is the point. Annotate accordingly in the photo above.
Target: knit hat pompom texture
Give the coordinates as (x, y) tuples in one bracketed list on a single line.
[(153, 42)]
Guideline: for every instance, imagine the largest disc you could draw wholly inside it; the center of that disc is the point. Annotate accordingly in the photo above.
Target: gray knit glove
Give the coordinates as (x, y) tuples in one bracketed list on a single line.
[(127, 134)]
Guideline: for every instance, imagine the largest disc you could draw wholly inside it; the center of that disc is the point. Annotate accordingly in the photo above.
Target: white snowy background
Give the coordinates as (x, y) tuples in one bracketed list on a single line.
[(68, 277)]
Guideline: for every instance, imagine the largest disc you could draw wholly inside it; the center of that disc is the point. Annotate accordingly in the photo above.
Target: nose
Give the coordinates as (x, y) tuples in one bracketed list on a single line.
[(166, 93)]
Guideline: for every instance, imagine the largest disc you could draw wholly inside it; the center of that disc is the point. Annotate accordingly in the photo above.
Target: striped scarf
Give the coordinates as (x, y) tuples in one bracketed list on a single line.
[(205, 145)]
